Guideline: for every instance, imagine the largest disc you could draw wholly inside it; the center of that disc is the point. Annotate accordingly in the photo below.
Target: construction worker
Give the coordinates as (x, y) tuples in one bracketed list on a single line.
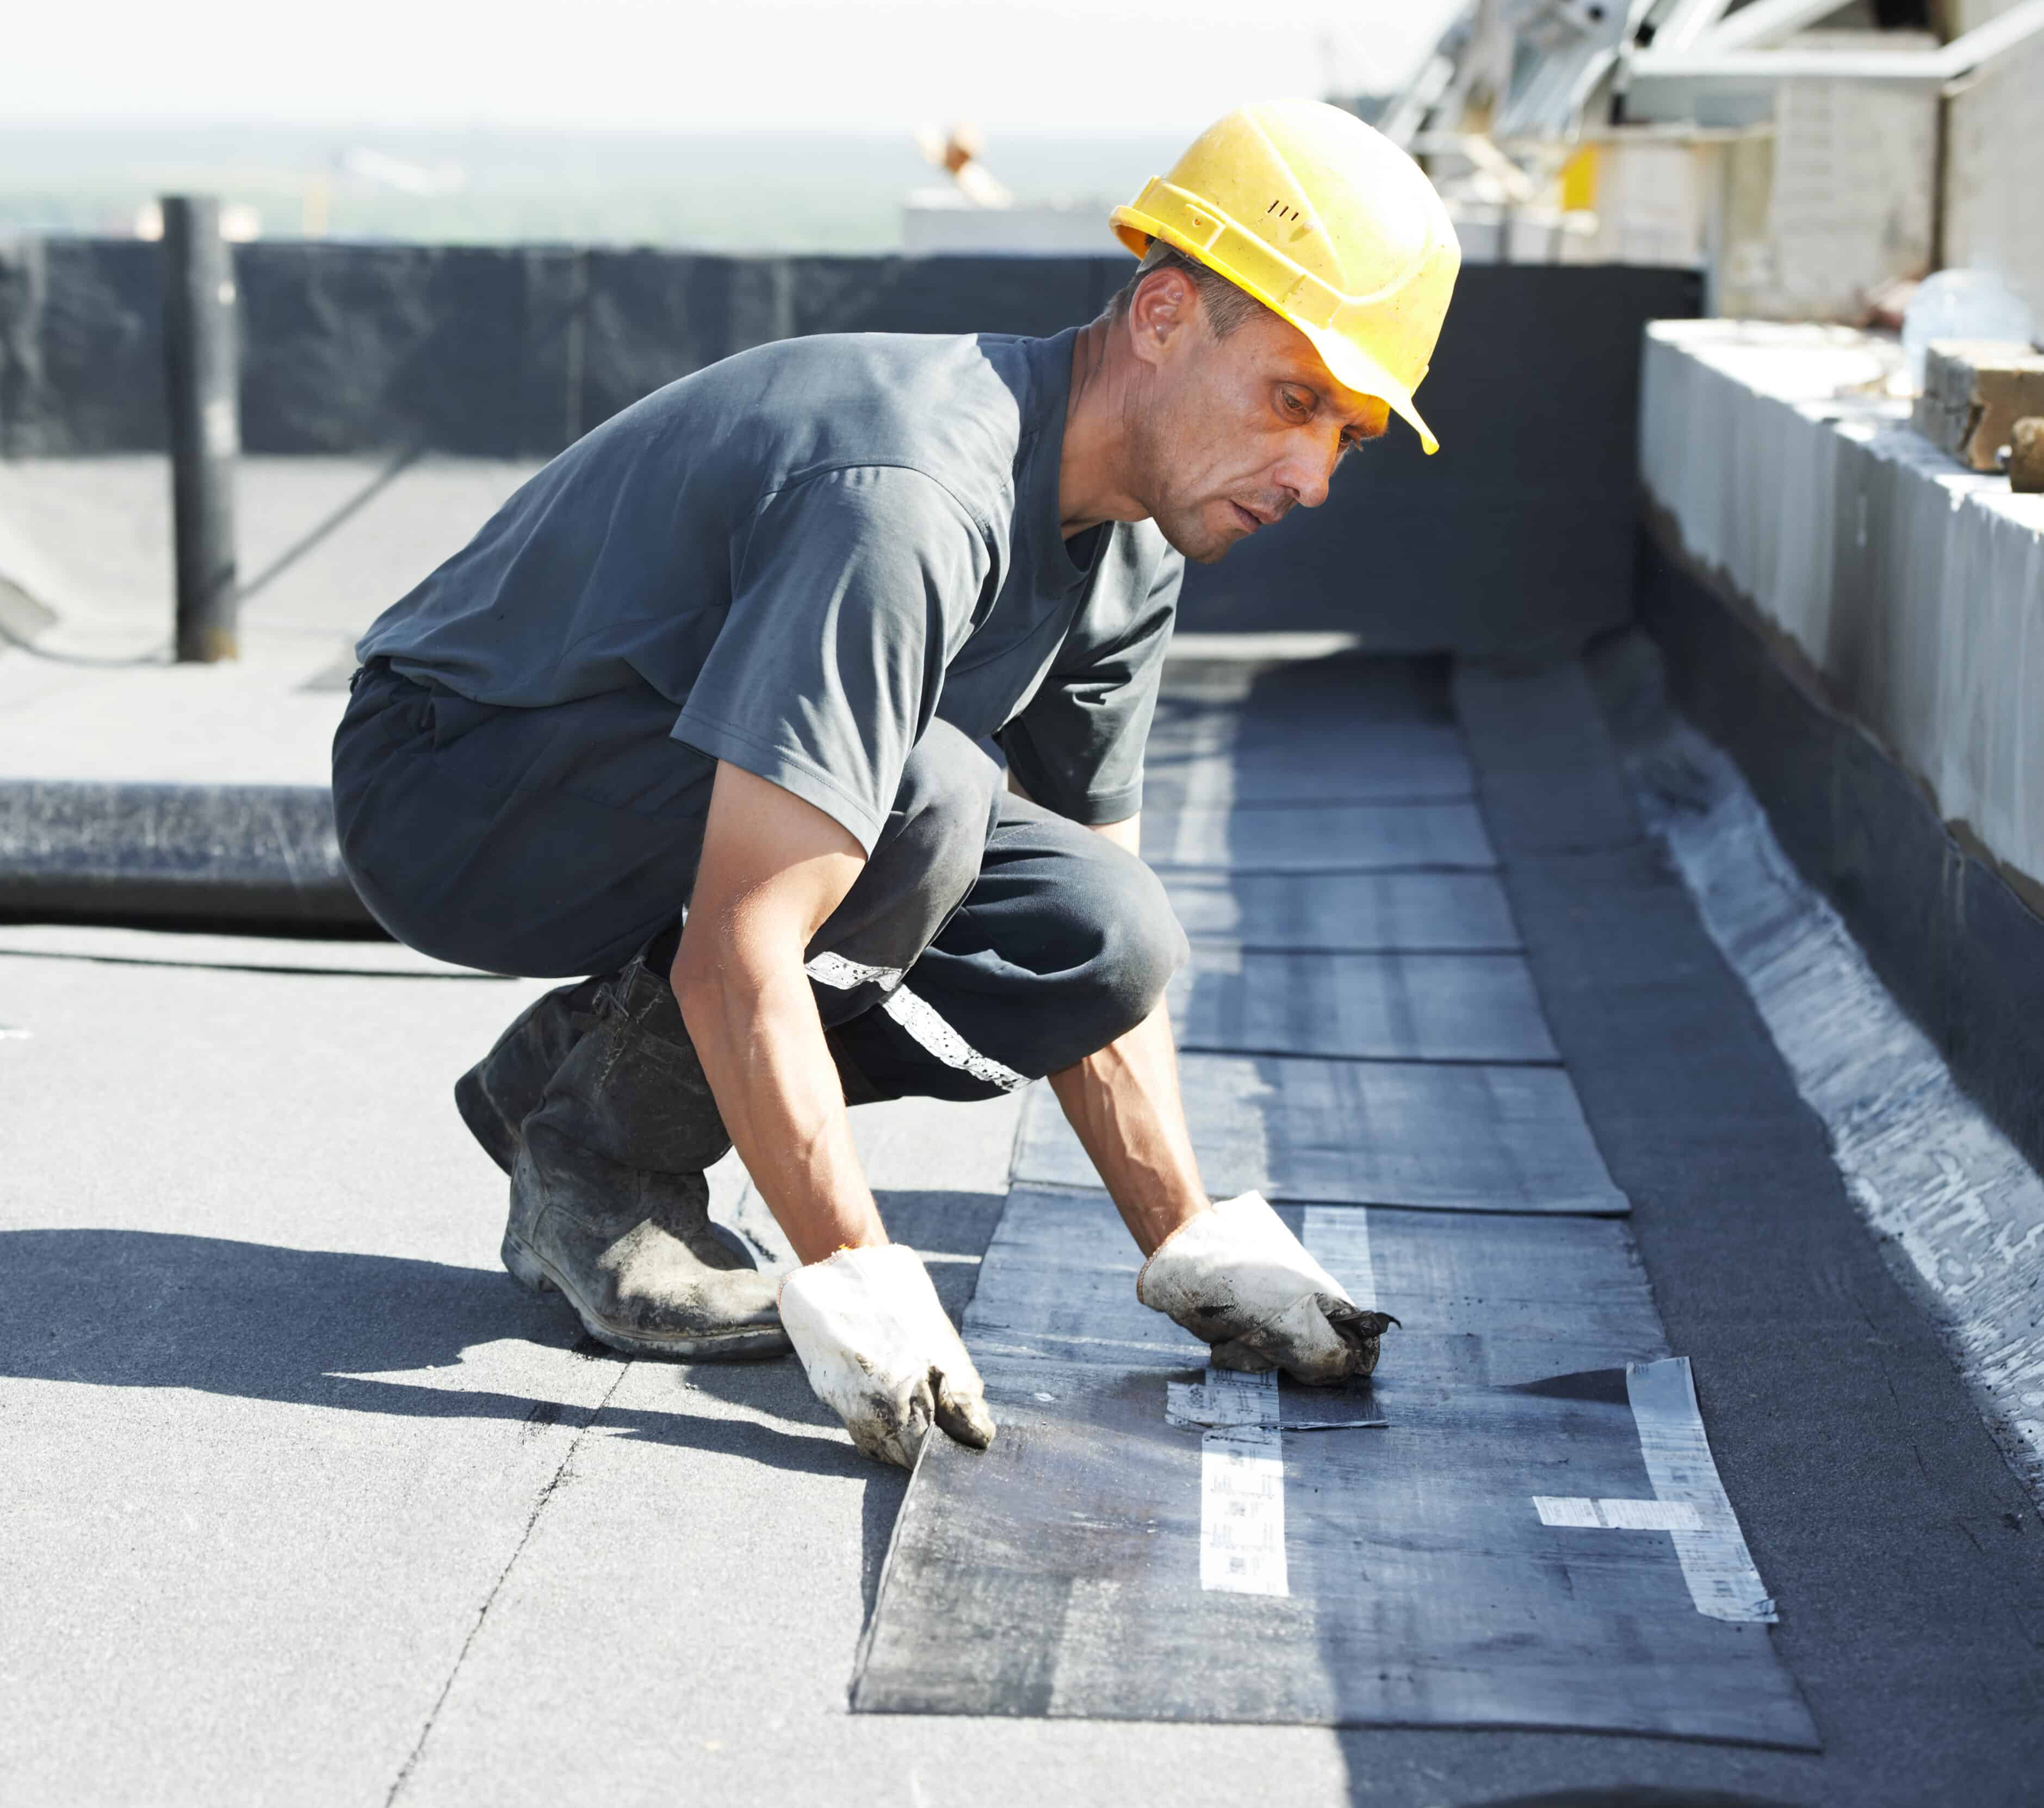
[(804, 703)]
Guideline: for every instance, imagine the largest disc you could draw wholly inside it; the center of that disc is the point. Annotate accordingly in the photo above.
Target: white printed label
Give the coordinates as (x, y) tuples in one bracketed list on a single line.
[(1241, 1511), (1241, 1480), (1241, 1456), (1225, 1398)]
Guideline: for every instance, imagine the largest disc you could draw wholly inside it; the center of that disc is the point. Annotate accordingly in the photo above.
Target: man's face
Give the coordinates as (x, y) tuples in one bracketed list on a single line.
[(1230, 434)]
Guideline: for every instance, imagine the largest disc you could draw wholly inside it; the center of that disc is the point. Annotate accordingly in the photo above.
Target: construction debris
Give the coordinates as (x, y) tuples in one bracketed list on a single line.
[(1974, 392), (2026, 456)]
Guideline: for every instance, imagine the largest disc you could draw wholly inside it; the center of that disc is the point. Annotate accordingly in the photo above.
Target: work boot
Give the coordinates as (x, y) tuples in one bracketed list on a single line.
[(504, 1088), (608, 1199)]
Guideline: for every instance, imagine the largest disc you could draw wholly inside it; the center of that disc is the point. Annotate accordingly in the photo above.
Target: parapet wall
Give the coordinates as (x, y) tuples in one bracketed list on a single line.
[(494, 351), (1859, 622), (1906, 590), (1516, 539)]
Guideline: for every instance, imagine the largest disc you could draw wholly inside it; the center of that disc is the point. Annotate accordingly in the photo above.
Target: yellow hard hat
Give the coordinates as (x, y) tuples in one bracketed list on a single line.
[(1327, 223)]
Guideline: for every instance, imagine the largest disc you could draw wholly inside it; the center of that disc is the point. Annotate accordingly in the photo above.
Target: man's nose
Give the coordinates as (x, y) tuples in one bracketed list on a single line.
[(1304, 475)]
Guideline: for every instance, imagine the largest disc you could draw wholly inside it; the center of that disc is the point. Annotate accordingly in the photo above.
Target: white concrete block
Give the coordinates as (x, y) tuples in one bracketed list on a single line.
[(1914, 586)]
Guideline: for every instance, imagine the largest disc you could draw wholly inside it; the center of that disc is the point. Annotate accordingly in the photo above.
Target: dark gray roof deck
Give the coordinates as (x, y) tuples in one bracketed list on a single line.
[(312, 1492)]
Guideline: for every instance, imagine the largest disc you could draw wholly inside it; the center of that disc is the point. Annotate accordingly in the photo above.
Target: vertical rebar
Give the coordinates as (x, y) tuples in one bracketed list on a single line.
[(205, 432)]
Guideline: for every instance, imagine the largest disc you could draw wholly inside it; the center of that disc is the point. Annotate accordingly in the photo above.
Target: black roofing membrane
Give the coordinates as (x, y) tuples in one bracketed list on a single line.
[(1460, 1006), (1058, 1573), (1422, 1134), (1372, 912), (1410, 763), (1320, 837), (1360, 1042)]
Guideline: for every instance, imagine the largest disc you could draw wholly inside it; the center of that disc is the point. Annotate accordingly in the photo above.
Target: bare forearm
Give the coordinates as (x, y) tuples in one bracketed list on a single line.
[(1123, 1103), (755, 1030)]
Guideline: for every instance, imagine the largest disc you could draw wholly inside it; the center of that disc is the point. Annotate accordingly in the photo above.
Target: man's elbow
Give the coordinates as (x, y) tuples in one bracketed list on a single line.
[(700, 980), (724, 984)]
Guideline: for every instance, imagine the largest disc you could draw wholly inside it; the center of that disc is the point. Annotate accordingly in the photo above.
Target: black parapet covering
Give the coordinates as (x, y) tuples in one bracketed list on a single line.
[(202, 390), (1515, 541), (81, 347), (356, 348)]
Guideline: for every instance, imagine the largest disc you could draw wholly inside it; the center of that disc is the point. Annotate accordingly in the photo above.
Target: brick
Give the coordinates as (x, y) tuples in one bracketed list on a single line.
[(1975, 390)]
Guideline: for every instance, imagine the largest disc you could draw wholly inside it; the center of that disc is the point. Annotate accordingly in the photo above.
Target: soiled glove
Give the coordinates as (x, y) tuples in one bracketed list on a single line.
[(1235, 1277), (882, 1353)]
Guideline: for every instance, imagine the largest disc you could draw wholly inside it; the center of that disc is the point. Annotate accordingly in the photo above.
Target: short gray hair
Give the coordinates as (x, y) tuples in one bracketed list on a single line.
[(1225, 306)]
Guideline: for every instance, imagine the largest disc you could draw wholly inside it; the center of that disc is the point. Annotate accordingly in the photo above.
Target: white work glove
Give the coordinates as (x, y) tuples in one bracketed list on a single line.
[(882, 1353), (1236, 1277)]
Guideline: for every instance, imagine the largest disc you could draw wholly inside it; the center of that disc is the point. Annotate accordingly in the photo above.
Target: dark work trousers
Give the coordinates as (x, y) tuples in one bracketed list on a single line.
[(984, 943)]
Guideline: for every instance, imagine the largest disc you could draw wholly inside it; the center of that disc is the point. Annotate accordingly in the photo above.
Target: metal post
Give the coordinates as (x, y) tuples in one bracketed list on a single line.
[(205, 432)]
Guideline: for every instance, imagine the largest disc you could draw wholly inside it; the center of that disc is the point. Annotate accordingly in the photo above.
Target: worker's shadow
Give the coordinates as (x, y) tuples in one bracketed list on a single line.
[(324, 1328)]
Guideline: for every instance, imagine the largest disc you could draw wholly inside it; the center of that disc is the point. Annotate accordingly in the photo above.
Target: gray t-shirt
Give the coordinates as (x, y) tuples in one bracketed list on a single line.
[(812, 549)]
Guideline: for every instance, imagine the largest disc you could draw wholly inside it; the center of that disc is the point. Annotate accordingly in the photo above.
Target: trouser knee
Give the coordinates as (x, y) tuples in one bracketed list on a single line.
[(1137, 944), (928, 854), (1065, 943), (944, 810)]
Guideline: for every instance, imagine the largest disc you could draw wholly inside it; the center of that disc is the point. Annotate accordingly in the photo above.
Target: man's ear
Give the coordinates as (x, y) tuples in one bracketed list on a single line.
[(1164, 304)]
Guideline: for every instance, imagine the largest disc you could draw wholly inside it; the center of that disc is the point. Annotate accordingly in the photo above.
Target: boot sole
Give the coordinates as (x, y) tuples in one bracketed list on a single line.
[(533, 1272)]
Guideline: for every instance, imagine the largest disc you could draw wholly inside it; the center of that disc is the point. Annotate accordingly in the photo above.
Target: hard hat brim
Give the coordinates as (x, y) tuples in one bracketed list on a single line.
[(1354, 369), (1346, 361)]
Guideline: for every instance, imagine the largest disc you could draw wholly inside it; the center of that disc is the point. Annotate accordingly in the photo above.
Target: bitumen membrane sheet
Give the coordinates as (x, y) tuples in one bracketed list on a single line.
[(1454, 1137), (1464, 1006), (306, 1501), (1319, 837), (1495, 1554), (1484, 1540), (1358, 912), (1352, 731)]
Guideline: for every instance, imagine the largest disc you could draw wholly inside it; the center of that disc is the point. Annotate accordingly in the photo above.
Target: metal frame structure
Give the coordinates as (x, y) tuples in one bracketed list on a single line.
[(1526, 71)]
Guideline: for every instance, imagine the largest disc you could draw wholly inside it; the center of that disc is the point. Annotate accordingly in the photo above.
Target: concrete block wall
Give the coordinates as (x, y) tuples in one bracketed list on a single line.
[(1908, 589)]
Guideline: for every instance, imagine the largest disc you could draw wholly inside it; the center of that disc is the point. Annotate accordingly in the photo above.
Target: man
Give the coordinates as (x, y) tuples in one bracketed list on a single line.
[(804, 704)]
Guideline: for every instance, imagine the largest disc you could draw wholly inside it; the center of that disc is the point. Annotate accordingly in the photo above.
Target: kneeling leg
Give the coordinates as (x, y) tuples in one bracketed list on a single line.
[(1064, 943)]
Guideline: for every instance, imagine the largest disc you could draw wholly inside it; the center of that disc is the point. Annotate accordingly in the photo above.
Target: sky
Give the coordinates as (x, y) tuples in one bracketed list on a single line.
[(1088, 67)]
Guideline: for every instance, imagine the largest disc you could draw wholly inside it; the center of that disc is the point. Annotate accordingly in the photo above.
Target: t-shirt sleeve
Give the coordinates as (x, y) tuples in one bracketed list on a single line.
[(1076, 748), (848, 588)]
